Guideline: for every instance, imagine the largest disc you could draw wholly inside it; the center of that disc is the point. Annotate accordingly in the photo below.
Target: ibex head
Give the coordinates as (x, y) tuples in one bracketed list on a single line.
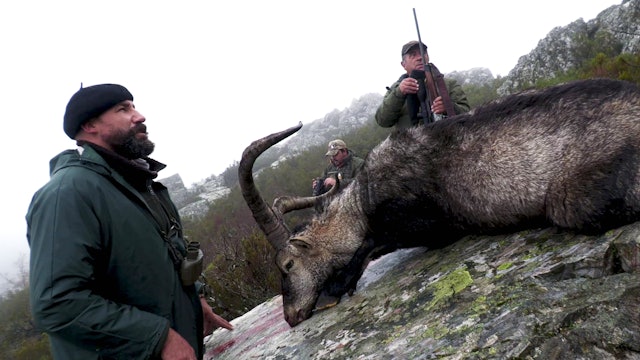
[(306, 259)]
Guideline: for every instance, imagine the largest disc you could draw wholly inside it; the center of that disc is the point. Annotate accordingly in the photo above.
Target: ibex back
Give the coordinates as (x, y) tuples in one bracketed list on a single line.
[(567, 156)]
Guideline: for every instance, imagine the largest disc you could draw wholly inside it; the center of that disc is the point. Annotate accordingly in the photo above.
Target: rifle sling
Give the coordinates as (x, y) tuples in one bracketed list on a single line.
[(442, 88), (432, 92)]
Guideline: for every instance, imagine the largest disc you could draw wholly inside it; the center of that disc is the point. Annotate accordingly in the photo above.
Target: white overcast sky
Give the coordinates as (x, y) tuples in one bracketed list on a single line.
[(212, 76)]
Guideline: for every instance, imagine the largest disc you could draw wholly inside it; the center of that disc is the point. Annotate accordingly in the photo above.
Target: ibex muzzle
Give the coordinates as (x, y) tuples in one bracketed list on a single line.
[(566, 156)]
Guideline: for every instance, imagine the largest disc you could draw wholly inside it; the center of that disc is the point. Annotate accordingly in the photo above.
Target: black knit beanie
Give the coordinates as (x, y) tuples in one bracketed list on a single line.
[(91, 102)]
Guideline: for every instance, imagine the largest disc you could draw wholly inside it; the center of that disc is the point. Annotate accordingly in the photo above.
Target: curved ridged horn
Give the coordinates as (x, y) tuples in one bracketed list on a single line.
[(285, 204), (271, 224)]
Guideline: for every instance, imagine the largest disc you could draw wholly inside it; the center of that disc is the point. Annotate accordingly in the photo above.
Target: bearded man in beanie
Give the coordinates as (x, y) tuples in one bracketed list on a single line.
[(107, 244)]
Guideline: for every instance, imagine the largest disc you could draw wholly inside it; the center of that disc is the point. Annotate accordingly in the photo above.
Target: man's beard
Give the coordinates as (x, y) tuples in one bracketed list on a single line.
[(126, 144)]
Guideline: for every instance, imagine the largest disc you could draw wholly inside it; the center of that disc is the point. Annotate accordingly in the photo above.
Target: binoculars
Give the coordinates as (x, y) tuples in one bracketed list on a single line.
[(192, 265)]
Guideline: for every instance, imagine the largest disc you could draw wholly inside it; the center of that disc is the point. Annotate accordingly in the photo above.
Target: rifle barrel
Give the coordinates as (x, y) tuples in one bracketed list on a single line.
[(415, 18), (425, 111)]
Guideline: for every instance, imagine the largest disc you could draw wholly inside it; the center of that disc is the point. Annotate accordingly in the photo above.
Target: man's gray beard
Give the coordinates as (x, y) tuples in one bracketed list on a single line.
[(130, 147)]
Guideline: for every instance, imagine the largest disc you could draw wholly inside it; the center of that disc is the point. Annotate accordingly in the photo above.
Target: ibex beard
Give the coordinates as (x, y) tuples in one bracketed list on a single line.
[(567, 156)]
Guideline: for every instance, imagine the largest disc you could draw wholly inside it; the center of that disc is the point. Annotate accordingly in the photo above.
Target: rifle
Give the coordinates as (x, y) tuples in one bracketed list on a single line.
[(433, 77), (319, 188)]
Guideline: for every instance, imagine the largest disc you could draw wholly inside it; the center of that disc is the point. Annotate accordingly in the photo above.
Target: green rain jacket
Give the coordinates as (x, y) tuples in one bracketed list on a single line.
[(349, 169), (393, 110), (102, 283)]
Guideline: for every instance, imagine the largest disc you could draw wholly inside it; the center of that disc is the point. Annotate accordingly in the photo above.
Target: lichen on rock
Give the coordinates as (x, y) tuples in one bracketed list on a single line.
[(537, 294)]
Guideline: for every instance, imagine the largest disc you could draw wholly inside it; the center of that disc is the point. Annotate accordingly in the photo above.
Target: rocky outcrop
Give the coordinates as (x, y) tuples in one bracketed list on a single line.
[(179, 193), (614, 31), (536, 294), (195, 201)]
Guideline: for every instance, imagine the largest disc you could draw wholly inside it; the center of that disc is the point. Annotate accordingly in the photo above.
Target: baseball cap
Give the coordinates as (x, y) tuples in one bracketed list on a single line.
[(335, 146), (410, 45)]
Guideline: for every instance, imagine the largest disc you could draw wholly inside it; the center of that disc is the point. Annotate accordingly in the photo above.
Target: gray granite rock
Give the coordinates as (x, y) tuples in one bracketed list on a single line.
[(536, 294)]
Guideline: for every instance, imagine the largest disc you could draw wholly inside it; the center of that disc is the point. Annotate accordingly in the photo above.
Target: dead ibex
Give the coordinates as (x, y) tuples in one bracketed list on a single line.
[(567, 156)]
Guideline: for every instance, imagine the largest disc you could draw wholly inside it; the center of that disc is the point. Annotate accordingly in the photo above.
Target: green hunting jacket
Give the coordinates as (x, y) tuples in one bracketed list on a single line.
[(102, 283), (349, 169), (393, 110)]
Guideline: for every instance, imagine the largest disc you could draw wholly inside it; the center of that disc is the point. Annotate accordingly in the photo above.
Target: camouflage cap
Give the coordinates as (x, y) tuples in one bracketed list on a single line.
[(335, 146), (410, 45)]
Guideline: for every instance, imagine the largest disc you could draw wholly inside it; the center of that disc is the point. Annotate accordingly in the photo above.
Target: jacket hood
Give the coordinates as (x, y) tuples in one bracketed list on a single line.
[(72, 157)]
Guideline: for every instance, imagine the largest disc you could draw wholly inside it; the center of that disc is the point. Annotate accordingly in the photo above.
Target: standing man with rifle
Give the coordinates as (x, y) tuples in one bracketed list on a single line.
[(421, 95)]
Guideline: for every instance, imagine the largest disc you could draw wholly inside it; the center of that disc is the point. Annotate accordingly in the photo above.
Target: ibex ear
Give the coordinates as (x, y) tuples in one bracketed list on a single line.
[(303, 245)]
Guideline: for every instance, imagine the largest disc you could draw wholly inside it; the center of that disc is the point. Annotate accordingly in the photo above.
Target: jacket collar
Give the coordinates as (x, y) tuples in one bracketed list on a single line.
[(137, 172)]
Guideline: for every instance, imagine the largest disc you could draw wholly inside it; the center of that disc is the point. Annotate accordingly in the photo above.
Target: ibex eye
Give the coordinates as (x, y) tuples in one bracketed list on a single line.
[(288, 265)]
